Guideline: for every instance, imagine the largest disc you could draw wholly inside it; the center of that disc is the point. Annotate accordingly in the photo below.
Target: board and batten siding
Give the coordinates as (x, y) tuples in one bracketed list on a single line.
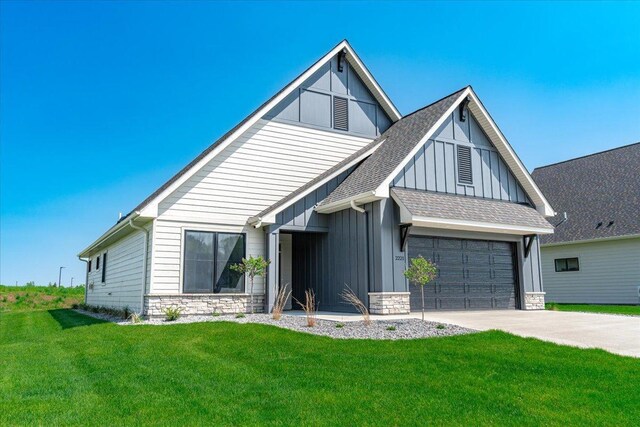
[(609, 272), (123, 279), (265, 164), (434, 167)]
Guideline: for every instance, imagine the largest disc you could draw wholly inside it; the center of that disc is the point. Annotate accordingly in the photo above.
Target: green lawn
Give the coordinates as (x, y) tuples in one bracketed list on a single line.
[(60, 368), (589, 308), (27, 298)]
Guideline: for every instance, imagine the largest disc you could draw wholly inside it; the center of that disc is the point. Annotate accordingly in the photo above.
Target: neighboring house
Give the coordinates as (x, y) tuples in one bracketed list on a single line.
[(330, 183), (594, 255)]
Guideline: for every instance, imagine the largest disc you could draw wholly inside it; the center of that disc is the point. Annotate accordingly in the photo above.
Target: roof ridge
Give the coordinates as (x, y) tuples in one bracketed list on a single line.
[(586, 155), (433, 103)]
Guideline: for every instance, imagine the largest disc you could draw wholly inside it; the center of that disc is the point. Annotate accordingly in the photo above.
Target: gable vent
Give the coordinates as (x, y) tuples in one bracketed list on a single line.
[(464, 165), (340, 113)]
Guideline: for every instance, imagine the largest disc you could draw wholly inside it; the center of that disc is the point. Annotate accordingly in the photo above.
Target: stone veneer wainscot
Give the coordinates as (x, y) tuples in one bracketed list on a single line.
[(202, 304), (534, 300), (389, 302)]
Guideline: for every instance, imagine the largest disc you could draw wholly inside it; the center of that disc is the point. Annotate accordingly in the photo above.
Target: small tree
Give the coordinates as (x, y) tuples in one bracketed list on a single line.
[(420, 273), (252, 267)]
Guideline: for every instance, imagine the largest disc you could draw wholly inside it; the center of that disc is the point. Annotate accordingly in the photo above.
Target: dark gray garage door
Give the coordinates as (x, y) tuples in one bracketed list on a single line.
[(472, 274)]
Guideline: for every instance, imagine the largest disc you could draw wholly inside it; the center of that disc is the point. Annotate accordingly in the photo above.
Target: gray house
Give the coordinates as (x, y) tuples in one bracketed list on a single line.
[(594, 255), (332, 184)]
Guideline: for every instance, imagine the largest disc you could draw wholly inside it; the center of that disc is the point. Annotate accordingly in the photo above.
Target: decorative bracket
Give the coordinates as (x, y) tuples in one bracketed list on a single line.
[(528, 241), (462, 108), (404, 232), (341, 56)]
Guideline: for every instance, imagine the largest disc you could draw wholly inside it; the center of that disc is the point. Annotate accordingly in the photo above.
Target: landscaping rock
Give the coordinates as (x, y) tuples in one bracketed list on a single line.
[(379, 329)]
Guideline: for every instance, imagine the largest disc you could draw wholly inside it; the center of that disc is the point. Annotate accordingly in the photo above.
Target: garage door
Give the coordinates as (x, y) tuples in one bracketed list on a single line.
[(472, 274)]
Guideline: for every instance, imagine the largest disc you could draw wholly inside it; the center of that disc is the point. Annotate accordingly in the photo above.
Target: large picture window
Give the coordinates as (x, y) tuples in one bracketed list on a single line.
[(207, 260)]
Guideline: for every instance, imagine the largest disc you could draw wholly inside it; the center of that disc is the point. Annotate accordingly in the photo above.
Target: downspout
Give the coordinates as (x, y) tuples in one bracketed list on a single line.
[(356, 208), (86, 278), (144, 262)]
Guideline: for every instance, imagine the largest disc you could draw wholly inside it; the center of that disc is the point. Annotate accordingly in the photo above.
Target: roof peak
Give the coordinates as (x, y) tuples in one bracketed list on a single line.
[(588, 155)]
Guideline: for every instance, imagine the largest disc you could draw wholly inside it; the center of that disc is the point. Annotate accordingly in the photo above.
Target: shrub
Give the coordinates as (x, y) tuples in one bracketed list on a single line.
[(441, 326), (391, 328), (339, 325), (351, 298), (135, 318), (309, 307), (172, 313), (215, 314), (126, 312), (240, 315), (281, 301)]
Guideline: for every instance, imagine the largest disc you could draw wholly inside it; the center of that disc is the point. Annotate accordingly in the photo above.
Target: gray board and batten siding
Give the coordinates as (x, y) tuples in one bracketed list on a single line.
[(435, 166), (335, 100)]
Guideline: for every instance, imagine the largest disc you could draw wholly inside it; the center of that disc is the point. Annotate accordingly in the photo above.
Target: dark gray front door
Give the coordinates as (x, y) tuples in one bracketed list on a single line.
[(472, 274)]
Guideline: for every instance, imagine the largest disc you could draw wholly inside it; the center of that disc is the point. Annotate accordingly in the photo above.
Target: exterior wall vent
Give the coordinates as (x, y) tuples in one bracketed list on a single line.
[(465, 175), (340, 113)]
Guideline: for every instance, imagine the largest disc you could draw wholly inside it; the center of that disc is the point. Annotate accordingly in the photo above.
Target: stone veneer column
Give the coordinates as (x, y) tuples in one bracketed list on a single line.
[(389, 302), (202, 304), (534, 300)]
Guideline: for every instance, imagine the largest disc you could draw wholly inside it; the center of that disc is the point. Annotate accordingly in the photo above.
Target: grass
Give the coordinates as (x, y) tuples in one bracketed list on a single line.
[(589, 308), (25, 298), (60, 367)]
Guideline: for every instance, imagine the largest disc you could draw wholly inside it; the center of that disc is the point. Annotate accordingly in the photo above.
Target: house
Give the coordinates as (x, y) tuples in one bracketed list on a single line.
[(594, 255), (328, 181)]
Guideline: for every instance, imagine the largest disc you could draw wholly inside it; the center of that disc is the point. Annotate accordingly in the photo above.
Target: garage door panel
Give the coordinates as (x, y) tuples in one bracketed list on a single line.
[(452, 303), (480, 304), (472, 274)]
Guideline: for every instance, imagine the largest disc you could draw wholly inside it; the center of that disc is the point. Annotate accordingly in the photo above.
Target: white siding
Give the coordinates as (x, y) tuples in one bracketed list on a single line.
[(123, 278), (167, 252), (261, 167), (609, 272)]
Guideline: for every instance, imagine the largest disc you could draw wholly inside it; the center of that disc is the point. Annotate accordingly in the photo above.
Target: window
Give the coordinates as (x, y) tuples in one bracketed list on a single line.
[(567, 264), (464, 165), (98, 262), (207, 260), (89, 266), (104, 267)]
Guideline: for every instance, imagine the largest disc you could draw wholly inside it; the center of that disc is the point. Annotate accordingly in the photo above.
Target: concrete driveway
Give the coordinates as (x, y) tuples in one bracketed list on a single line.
[(616, 334)]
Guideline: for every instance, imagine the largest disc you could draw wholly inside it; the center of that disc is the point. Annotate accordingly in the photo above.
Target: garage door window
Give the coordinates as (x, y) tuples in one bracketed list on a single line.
[(567, 264)]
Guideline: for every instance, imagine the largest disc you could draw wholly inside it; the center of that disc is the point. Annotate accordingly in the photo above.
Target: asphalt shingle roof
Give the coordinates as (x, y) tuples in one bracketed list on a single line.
[(463, 208), (398, 141), (592, 190)]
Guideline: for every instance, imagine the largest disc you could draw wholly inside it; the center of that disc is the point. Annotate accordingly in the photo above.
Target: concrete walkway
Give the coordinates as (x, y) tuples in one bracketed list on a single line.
[(613, 333)]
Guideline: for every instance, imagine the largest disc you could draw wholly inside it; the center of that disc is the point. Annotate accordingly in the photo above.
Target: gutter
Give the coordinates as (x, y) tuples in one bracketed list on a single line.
[(144, 262), (117, 227)]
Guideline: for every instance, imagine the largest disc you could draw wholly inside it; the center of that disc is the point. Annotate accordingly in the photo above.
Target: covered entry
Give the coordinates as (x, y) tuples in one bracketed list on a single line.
[(472, 274)]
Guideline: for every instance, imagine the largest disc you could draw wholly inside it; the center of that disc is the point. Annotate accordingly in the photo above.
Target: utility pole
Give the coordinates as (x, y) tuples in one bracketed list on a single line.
[(72, 282), (60, 276)]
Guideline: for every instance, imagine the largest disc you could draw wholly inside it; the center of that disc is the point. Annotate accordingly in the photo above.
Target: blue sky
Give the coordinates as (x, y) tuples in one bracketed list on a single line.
[(102, 102)]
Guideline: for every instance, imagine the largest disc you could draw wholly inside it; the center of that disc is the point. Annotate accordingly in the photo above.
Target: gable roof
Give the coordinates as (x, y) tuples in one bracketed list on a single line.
[(594, 189), (250, 120), (148, 207), (405, 137), (400, 139)]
